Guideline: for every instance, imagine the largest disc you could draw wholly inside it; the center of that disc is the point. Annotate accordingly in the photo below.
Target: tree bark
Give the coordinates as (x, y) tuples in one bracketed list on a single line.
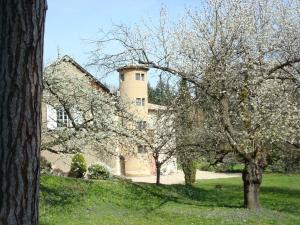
[(21, 57), (189, 170), (252, 178), (158, 167)]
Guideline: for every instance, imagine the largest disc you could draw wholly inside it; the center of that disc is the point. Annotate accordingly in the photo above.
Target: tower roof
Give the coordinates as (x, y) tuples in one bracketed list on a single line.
[(133, 67)]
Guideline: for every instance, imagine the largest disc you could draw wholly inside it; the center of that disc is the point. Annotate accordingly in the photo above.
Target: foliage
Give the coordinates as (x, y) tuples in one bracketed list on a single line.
[(243, 59), (162, 94), (73, 202), (284, 159), (78, 166), (99, 172), (186, 125)]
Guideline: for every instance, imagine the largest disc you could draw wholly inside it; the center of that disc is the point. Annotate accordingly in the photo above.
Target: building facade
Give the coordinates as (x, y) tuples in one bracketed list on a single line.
[(134, 90)]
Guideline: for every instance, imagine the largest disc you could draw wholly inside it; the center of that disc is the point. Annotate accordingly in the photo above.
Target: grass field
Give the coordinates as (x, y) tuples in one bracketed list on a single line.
[(66, 201)]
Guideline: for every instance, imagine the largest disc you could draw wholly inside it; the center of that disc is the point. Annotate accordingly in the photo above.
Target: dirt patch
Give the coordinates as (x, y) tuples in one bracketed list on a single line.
[(177, 178)]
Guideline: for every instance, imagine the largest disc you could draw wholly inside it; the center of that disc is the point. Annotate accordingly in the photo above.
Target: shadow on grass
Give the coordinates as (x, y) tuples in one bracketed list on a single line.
[(62, 194), (281, 199), (191, 195), (66, 193), (230, 196)]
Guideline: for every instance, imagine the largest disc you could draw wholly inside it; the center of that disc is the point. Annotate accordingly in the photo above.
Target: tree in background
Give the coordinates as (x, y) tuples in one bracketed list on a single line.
[(161, 94), (185, 122), (243, 57), (21, 65), (158, 139)]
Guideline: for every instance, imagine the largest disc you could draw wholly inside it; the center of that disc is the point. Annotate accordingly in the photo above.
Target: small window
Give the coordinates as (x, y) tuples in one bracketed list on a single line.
[(141, 125), (142, 149), (142, 76), (122, 78), (140, 101), (62, 118), (138, 76)]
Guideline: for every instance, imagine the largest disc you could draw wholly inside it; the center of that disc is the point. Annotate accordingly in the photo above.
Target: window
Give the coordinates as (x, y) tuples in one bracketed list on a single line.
[(62, 118), (141, 125), (122, 78), (139, 76), (142, 149), (140, 101)]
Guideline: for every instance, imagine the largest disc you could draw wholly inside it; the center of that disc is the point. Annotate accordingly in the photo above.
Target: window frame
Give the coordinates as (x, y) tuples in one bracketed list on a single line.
[(63, 119), (140, 101), (137, 76)]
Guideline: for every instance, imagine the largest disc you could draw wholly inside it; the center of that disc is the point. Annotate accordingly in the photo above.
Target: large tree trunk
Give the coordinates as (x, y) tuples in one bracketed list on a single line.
[(21, 57), (252, 177)]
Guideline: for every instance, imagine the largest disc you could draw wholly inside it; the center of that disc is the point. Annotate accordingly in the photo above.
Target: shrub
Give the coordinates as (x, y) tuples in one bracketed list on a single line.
[(205, 166), (78, 166), (45, 165), (99, 171)]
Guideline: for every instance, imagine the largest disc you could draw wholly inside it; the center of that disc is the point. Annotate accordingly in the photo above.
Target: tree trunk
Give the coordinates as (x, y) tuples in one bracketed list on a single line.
[(189, 170), (21, 57), (158, 167), (252, 177)]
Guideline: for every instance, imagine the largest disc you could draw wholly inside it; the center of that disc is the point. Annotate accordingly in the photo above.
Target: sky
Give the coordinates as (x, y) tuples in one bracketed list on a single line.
[(72, 24)]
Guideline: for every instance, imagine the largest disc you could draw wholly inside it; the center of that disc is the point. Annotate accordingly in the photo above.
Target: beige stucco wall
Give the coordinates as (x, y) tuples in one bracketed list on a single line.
[(130, 89), (92, 156)]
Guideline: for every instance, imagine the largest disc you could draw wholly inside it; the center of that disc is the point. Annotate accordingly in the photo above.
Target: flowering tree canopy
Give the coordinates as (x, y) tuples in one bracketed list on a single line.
[(243, 59)]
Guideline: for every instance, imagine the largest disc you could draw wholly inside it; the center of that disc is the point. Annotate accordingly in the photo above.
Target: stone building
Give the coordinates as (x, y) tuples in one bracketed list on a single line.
[(133, 89)]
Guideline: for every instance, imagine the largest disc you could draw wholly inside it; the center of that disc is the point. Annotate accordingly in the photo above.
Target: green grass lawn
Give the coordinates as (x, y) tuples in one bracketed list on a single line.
[(67, 201)]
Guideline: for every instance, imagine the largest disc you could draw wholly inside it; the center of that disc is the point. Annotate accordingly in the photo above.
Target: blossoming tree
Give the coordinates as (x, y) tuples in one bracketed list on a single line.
[(243, 59)]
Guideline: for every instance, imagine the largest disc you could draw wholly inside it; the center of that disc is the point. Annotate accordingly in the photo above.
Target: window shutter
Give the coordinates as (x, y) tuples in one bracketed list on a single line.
[(51, 117)]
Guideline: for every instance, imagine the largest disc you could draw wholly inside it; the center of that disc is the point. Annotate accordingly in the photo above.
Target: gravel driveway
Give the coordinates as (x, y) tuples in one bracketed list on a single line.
[(178, 177)]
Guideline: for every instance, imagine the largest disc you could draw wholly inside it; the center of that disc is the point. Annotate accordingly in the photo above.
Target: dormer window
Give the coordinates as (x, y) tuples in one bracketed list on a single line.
[(140, 76)]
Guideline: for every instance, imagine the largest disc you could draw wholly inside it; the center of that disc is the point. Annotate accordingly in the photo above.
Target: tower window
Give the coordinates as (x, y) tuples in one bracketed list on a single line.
[(140, 101), (140, 76), (137, 76)]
